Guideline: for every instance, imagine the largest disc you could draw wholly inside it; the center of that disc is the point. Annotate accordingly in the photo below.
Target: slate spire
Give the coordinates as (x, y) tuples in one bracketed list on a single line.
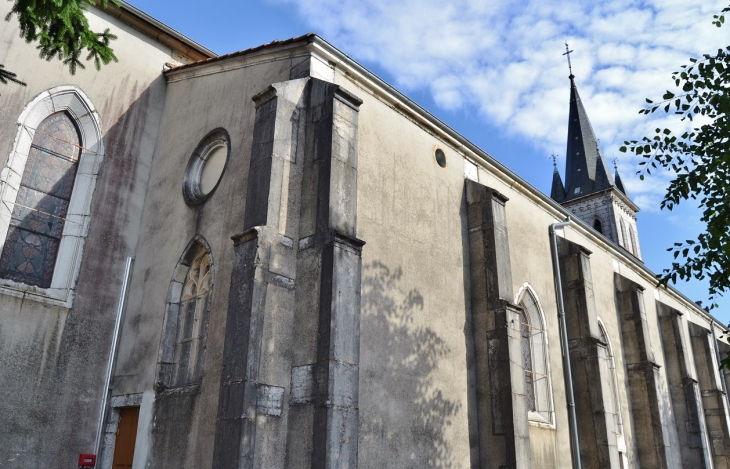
[(557, 192), (585, 168), (619, 183)]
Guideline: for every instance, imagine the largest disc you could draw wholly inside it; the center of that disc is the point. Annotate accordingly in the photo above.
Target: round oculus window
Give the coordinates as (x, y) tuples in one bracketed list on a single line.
[(206, 167)]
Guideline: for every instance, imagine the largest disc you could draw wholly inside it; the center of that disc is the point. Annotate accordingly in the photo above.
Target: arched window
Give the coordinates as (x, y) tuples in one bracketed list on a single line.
[(39, 212), (634, 241), (46, 191), (538, 389), (185, 327), (613, 400), (624, 238), (526, 332), (597, 225)]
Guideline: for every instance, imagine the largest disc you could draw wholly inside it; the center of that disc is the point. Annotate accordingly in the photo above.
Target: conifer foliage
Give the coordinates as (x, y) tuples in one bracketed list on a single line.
[(700, 161), (8, 76), (62, 31)]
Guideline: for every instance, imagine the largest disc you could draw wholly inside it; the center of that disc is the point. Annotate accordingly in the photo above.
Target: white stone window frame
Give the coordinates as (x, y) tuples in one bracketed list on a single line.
[(540, 361), (76, 104), (616, 401), (166, 365)]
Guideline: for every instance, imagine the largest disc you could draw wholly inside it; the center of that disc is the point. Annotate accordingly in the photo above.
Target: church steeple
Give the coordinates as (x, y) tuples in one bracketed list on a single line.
[(585, 168), (590, 192)]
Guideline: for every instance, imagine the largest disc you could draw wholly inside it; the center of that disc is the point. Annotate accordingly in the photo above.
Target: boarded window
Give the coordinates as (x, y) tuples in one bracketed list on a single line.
[(34, 235)]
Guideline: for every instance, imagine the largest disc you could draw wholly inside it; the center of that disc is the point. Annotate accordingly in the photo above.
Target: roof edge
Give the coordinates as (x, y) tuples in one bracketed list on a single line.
[(158, 30), (471, 151), (558, 210), (303, 39)]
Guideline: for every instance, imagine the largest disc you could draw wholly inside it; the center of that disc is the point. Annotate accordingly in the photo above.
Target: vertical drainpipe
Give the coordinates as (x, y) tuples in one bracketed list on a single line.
[(112, 354), (572, 420), (719, 359)]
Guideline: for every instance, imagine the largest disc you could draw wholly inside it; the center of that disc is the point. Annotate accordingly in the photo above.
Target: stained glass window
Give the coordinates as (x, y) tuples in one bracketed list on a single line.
[(34, 235), (191, 325)]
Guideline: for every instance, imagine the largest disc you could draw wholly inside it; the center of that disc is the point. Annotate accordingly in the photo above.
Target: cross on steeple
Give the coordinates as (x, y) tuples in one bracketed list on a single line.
[(555, 160), (567, 53)]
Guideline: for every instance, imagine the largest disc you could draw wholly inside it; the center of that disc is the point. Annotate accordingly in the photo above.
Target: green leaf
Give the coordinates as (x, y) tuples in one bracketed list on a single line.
[(700, 163)]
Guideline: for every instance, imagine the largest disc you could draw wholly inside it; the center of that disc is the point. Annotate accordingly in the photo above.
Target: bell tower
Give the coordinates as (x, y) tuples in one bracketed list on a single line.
[(590, 192)]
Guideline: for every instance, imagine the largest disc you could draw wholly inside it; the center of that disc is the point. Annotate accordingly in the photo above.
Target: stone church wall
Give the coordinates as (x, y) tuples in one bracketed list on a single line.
[(193, 108), (352, 316)]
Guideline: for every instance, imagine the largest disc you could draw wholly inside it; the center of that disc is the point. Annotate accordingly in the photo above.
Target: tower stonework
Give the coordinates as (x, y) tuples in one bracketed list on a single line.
[(615, 213), (590, 192)]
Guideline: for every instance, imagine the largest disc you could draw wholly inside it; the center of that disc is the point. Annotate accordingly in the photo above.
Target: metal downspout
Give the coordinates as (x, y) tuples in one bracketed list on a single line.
[(572, 420), (112, 355), (719, 359)]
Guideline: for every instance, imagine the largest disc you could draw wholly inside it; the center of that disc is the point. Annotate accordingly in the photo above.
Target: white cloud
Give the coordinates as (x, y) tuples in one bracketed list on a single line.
[(503, 59)]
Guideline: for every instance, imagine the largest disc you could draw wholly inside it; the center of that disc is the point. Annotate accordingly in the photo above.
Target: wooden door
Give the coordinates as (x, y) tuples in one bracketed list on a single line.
[(126, 436)]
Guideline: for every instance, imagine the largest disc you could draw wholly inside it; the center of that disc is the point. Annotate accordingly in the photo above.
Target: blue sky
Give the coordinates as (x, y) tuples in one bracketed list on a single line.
[(494, 71)]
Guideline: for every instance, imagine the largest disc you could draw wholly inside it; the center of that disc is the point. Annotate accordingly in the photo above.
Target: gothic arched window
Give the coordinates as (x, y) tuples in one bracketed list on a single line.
[(36, 224), (613, 400), (525, 333), (634, 241), (185, 327), (46, 189), (597, 225), (538, 391), (624, 238)]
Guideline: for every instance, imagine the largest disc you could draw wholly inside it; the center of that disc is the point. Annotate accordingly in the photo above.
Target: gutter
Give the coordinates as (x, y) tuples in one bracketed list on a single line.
[(567, 370), (112, 354)]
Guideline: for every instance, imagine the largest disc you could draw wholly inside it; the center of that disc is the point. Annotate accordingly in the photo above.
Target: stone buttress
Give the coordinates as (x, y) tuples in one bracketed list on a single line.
[(503, 429), (289, 387), (684, 388), (588, 352), (650, 406), (714, 401)]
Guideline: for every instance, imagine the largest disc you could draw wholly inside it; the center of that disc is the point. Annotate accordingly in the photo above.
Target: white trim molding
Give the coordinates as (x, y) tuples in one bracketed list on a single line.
[(73, 101), (544, 416)]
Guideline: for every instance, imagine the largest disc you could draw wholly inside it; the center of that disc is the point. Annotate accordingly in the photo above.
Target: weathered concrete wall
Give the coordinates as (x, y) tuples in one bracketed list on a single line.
[(414, 394), (502, 423), (714, 402), (194, 106), (54, 359), (418, 400), (684, 388)]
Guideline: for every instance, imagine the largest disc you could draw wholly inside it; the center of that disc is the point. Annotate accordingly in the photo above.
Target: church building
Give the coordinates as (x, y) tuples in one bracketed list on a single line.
[(274, 259)]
